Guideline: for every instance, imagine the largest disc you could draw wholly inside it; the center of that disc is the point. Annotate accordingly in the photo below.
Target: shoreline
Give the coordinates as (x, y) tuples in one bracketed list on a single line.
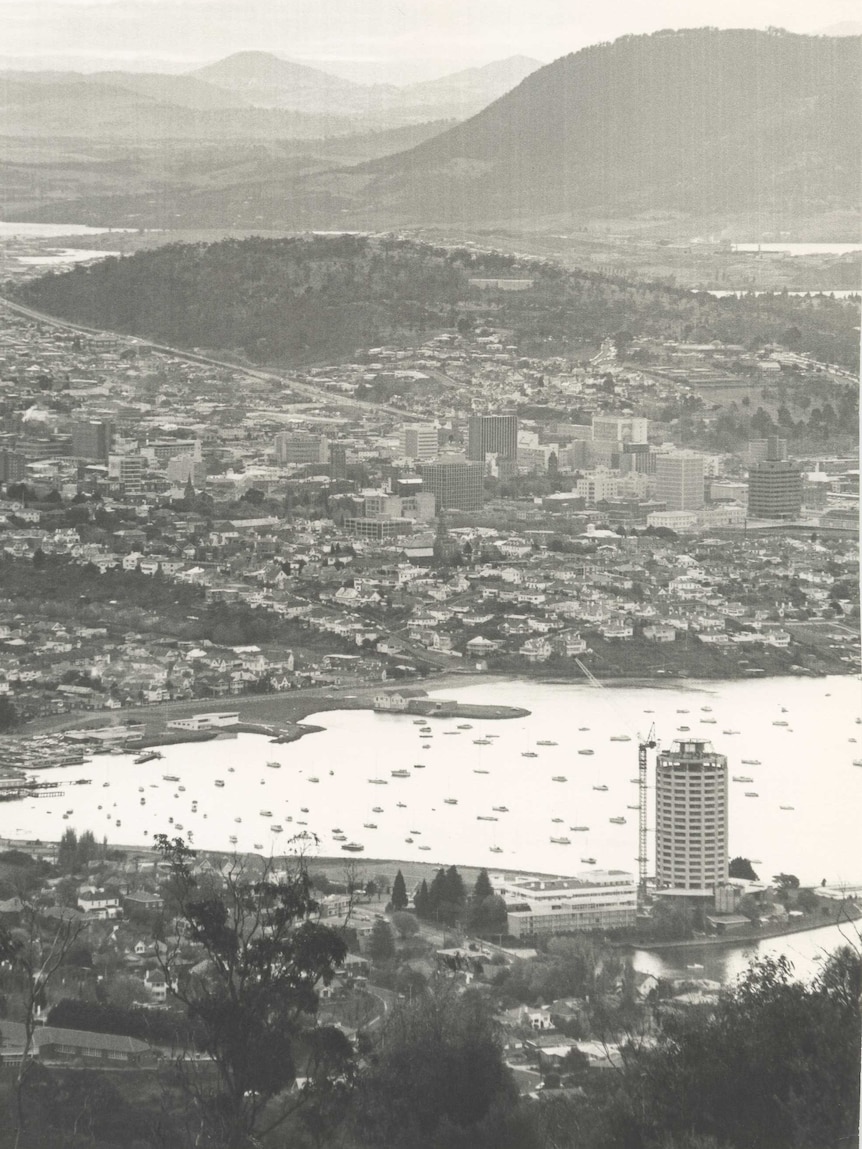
[(287, 709), (845, 911)]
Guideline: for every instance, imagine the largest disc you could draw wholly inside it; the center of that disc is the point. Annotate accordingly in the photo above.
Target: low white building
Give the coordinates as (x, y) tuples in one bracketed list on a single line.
[(597, 899), (205, 721)]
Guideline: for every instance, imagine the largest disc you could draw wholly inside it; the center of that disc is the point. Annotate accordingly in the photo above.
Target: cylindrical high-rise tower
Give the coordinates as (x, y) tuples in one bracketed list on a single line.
[(691, 817)]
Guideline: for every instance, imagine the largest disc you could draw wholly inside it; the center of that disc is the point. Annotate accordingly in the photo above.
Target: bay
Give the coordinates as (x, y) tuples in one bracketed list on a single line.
[(799, 737)]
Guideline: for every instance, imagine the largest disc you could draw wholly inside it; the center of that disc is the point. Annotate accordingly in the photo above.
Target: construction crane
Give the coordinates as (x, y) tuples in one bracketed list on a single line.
[(644, 744)]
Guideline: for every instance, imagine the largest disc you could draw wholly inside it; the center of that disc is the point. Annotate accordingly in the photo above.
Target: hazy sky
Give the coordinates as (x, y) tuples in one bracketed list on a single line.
[(396, 40)]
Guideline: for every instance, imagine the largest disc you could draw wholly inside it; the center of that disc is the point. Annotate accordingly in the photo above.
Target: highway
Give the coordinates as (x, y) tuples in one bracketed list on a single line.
[(306, 389)]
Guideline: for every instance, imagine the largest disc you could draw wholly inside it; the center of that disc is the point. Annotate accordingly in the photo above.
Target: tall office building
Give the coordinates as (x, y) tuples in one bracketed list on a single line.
[(620, 428), (679, 480), (691, 817), (128, 470), (300, 447), (92, 439), (12, 466), (454, 482), (492, 435), (775, 484), (337, 461), (419, 441)]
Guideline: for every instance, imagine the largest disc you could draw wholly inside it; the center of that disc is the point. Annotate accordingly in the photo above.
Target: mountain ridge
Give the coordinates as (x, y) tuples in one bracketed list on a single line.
[(696, 120)]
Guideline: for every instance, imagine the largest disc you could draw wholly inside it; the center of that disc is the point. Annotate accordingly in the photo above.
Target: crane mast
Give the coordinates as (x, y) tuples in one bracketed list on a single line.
[(649, 743), (644, 744)]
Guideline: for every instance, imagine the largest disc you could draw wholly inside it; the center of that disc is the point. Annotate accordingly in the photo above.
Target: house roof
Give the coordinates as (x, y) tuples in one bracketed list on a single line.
[(13, 1035)]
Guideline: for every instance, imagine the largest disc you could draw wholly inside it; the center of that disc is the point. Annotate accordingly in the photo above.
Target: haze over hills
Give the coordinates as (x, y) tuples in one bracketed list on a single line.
[(257, 95), (696, 120), (267, 81), (695, 124)]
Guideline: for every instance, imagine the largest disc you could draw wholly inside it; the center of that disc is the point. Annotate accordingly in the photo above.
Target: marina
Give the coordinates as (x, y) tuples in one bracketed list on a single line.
[(451, 804)]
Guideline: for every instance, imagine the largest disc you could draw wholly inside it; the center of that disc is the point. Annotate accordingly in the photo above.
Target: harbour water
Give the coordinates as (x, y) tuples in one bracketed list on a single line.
[(61, 257), (801, 248), (496, 794), (842, 293), (49, 230), (806, 951)]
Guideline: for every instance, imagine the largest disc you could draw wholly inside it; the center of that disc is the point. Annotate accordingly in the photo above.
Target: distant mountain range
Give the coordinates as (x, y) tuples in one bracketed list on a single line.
[(249, 95), (697, 121)]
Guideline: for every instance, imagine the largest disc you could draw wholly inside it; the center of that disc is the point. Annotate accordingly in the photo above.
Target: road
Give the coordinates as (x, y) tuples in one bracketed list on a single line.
[(307, 389)]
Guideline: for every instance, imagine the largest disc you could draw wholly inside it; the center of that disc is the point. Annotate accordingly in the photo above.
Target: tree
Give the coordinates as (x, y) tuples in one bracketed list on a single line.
[(399, 897), (742, 868), (253, 996), (482, 887), (487, 916), (421, 900), (8, 715), (67, 852), (406, 924), (786, 881), (787, 1053), (34, 951), (438, 1074), (381, 945)]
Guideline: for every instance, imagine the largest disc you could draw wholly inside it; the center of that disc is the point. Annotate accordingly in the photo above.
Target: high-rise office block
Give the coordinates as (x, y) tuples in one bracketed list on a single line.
[(12, 466), (337, 461), (492, 435), (419, 441), (691, 817), (128, 470), (301, 448), (92, 439), (679, 480), (637, 457), (454, 483), (620, 428), (775, 484)]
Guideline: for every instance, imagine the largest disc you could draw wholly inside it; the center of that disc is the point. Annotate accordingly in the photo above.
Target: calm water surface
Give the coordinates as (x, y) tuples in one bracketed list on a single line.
[(800, 737)]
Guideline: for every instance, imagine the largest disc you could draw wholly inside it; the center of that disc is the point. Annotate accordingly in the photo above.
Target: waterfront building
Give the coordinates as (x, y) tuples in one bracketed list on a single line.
[(691, 830), (492, 435), (679, 480), (775, 484), (597, 899), (454, 482), (419, 441)]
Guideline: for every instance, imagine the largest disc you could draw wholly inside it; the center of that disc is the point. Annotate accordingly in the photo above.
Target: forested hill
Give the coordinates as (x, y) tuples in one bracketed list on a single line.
[(305, 299), (698, 120)]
